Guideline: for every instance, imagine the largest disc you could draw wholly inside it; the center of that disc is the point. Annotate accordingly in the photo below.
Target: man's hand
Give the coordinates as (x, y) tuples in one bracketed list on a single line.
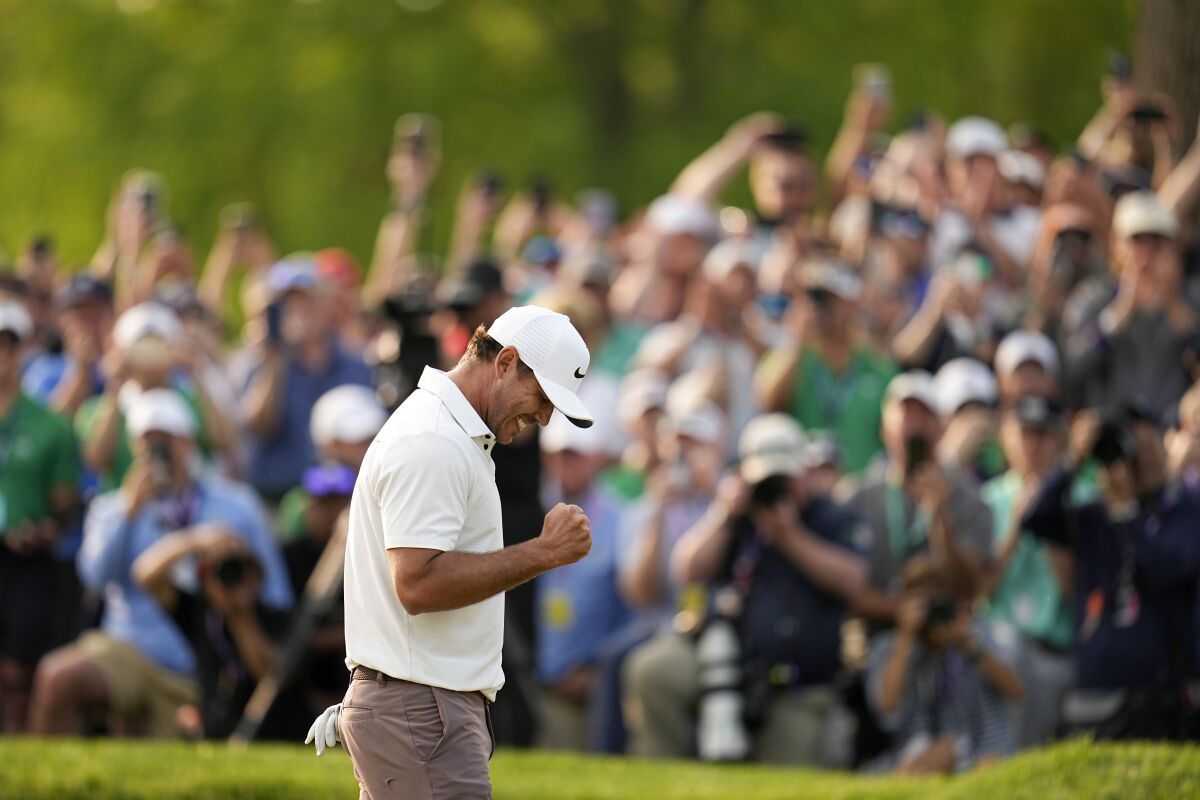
[(324, 730), (732, 494), (139, 486), (28, 537), (930, 488), (910, 614), (778, 521), (566, 535)]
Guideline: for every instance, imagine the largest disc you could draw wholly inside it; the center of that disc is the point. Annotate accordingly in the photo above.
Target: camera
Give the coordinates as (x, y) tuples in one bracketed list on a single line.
[(769, 491), (941, 611), (1114, 442), (916, 452), (232, 571), (159, 453)]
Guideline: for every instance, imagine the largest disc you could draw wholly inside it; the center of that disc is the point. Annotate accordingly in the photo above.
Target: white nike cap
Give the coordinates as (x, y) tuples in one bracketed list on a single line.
[(549, 345)]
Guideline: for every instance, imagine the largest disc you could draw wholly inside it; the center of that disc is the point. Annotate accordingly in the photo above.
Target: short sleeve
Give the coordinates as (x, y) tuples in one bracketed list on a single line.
[(423, 488)]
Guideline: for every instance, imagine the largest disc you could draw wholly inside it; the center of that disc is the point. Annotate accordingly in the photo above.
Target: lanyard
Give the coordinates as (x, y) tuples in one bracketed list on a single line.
[(903, 536)]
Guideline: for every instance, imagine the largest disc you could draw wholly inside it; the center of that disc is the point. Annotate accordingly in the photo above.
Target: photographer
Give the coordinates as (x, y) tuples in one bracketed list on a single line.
[(938, 683), (139, 665), (227, 625), (912, 505), (1136, 563), (783, 570)]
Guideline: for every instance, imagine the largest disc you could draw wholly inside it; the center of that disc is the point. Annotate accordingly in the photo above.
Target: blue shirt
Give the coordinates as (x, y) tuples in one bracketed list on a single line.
[(112, 541), (578, 605), (46, 371), (1135, 584), (277, 464)]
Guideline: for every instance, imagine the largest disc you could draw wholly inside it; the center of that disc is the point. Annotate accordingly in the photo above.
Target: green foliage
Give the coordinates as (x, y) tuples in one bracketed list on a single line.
[(291, 103), (112, 770)]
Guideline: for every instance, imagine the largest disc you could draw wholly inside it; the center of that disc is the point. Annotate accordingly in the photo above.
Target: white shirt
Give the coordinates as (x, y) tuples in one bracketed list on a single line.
[(428, 481)]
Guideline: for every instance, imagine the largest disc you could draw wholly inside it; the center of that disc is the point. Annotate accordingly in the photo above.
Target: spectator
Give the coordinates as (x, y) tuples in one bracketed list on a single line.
[(643, 399), (782, 566), (1138, 342), (1027, 586), (578, 607), (939, 683), (39, 475), (967, 391), (139, 664), (297, 361), (65, 380), (820, 374), (1135, 560), (148, 353), (1027, 363), (912, 505), (229, 628)]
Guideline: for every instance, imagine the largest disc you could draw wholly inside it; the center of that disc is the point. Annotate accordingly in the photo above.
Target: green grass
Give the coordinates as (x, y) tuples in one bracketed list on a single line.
[(109, 770)]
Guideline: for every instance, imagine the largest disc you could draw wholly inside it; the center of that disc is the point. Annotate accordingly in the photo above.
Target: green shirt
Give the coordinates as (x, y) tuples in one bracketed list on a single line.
[(1028, 596), (37, 457), (289, 520), (85, 423), (847, 405), (627, 484)]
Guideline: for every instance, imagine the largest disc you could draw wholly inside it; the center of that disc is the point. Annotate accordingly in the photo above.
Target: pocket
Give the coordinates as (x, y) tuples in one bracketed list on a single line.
[(426, 722), (354, 714)]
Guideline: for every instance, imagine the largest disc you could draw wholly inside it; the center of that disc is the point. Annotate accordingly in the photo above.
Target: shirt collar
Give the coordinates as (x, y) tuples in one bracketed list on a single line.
[(439, 384)]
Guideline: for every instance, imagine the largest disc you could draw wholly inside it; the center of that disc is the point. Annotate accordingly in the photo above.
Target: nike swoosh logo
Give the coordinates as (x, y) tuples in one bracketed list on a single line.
[(578, 375)]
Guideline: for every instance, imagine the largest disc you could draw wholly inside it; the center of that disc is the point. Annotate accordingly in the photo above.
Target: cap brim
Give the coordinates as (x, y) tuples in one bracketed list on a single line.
[(759, 468), (567, 402)]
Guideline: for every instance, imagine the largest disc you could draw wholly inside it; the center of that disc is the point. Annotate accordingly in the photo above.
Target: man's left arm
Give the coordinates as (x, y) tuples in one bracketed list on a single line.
[(835, 569), (1170, 556)]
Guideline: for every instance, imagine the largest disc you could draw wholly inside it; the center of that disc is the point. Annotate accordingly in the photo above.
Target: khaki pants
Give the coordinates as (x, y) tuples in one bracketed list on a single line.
[(563, 723), (662, 689), (137, 687), (414, 742)]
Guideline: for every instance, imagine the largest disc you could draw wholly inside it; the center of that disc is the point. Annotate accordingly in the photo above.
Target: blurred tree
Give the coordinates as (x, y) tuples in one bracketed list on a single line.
[(1167, 56)]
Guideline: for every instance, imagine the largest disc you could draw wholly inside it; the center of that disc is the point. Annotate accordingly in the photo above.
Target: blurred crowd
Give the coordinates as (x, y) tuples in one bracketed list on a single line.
[(896, 469)]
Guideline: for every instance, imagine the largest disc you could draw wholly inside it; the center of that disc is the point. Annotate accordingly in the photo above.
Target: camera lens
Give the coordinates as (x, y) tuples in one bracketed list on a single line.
[(231, 571)]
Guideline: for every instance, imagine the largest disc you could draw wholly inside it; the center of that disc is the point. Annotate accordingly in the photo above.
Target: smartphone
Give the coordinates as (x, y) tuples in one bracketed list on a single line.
[(1118, 66), (1146, 113), (491, 182), (875, 79), (239, 217), (916, 452), (542, 192), (274, 314), (416, 133)]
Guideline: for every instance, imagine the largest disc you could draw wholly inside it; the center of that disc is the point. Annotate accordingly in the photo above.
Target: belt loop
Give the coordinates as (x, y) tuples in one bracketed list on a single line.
[(380, 678)]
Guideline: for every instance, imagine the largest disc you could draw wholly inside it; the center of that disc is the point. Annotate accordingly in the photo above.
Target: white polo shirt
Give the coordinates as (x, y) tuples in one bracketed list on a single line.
[(428, 481)]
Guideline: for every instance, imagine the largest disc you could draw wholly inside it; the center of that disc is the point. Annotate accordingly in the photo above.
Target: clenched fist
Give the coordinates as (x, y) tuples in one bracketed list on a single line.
[(566, 535)]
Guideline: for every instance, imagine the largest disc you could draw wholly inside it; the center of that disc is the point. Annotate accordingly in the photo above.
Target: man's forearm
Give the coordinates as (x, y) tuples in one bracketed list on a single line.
[(834, 570), (455, 579), (962, 571)]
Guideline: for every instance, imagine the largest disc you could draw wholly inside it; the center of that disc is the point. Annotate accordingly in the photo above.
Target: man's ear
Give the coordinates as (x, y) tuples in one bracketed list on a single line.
[(506, 361)]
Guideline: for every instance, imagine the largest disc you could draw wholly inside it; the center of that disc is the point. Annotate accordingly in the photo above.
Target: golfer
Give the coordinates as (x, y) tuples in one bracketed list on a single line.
[(426, 565)]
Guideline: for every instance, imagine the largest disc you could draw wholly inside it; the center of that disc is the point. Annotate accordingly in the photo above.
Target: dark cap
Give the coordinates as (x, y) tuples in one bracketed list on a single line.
[(83, 289), (1037, 412)]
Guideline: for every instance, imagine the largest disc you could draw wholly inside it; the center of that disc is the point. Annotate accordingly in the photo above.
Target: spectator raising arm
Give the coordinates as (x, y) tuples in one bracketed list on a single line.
[(262, 402), (1180, 191), (700, 552), (707, 175)]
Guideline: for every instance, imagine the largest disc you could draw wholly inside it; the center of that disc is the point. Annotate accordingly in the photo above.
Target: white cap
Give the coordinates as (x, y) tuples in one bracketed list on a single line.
[(147, 319), (1017, 166), (771, 444), (730, 254), (704, 422), (15, 319), (161, 411), (833, 277), (676, 213), (641, 391), (1021, 346), (1143, 212), (349, 413), (916, 384), (549, 345), (964, 380), (975, 136), (560, 435)]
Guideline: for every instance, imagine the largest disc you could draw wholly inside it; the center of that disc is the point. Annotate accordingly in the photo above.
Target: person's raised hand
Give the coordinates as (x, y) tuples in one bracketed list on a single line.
[(139, 486), (748, 131), (566, 535), (930, 487), (777, 521), (911, 612), (1085, 426), (732, 494)]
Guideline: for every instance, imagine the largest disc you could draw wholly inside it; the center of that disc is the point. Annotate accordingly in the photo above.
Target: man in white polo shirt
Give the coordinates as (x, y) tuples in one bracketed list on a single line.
[(426, 566)]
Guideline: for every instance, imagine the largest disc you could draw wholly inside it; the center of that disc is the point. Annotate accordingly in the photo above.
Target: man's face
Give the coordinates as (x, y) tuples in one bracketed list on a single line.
[(680, 254), (905, 420), (10, 358), (302, 318), (93, 319), (783, 183), (1154, 258), (834, 315), (970, 172), (178, 451), (516, 400), (1151, 470), (1029, 378)]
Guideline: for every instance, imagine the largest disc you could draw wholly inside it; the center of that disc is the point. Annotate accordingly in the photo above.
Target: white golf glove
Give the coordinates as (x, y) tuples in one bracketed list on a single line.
[(324, 730)]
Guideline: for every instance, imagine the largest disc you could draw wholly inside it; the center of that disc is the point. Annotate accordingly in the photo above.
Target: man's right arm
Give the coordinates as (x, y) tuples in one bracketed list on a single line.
[(433, 580)]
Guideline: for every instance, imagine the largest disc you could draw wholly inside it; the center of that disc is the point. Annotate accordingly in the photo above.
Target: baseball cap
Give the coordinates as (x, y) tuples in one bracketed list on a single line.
[(294, 273), (15, 319), (975, 136), (1017, 166), (1022, 346), (328, 480), (641, 391), (560, 436), (338, 266), (160, 411), (549, 345), (1143, 212), (822, 450), (916, 384), (771, 444), (964, 380), (675, 214), (703, 421), (1035, 411), (83, 289), (145, 320), (833, 277), (730, 254), (349, 413)]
